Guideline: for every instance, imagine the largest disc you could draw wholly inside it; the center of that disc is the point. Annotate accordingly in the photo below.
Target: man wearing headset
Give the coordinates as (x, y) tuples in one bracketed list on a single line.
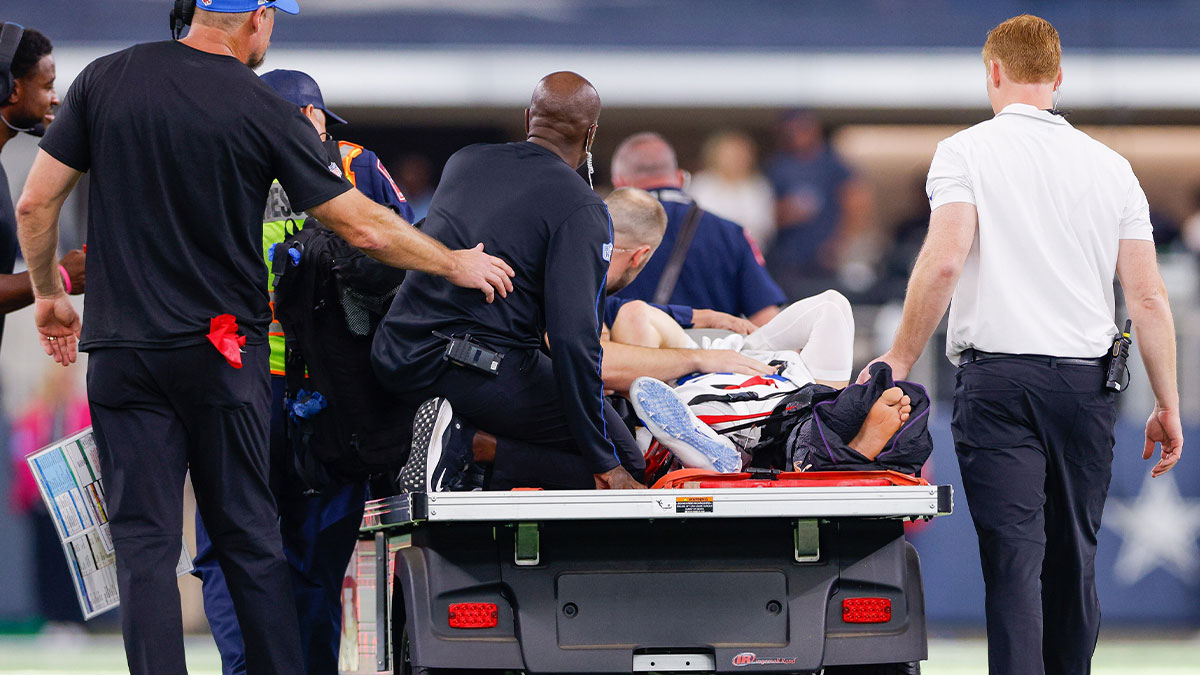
[(27, 100), (180, 173)]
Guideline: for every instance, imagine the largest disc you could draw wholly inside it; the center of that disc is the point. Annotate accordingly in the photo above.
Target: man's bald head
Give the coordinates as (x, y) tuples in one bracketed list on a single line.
[(564, 109), (646, 160)]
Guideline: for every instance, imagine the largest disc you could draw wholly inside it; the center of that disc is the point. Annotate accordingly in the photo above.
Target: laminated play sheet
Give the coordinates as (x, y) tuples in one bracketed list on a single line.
[(68, 476)]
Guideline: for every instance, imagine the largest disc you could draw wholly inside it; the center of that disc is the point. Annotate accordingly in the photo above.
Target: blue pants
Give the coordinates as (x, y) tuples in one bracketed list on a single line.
[(1035, 445), (319, 533)]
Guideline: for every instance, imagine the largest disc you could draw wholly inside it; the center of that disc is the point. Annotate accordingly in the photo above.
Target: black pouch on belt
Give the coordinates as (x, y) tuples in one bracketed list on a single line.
[(465, 352), (1117, 379)]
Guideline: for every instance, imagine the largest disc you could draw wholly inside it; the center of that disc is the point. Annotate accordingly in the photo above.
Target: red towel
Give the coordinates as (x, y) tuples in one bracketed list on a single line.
[(223, 334)]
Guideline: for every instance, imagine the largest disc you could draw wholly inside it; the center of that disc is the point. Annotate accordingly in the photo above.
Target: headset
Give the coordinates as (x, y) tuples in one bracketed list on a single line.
[(181, 15), (10, 37)]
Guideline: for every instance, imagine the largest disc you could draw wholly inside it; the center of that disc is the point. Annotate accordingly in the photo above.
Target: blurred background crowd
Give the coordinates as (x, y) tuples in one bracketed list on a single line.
[(811, 124)]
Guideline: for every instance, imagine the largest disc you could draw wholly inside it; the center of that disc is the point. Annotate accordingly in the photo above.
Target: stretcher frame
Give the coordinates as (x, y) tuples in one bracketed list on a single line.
[(906, 502)]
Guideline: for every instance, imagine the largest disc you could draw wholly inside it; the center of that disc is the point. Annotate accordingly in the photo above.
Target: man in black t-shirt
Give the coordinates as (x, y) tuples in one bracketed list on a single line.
[(528, 203), (183, 141), (31, 102)]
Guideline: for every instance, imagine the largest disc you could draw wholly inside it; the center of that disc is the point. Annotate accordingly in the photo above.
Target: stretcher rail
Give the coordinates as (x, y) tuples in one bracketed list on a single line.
[(905, 502)]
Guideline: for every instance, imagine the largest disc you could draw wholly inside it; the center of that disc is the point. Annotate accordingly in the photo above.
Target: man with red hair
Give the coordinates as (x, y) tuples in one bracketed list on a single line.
[(1031, 219)]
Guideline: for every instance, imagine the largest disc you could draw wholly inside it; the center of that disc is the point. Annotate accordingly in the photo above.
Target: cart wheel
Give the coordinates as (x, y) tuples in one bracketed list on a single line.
[(403, 658), (913, 668)]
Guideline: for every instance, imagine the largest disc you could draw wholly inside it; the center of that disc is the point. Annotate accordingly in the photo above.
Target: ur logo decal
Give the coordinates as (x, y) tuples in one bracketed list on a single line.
[(606, 251), (752, 659)]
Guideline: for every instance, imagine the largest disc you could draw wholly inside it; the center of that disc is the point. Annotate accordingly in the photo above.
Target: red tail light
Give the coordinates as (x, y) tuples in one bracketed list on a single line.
[(473, 615), (866, 610)]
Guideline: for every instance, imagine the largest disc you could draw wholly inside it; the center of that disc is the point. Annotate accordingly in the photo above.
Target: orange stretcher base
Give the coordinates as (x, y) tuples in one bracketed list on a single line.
[(692, 479)]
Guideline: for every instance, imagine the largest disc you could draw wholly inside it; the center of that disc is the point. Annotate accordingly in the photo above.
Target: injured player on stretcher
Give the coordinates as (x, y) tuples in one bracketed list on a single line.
[(810, 342)]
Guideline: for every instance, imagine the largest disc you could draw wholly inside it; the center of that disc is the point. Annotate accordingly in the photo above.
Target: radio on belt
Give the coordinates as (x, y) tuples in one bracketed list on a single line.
[(465, 352), (1115, 380)]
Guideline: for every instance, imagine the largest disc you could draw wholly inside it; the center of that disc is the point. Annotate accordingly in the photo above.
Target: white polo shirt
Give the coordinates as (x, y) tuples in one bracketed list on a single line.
[(1053, 204)]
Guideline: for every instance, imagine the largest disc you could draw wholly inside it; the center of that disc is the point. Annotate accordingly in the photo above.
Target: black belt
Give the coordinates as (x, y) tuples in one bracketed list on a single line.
[(972, 355)]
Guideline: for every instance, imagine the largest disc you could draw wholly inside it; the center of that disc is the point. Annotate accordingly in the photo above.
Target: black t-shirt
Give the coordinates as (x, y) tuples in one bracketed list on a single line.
[(8, 234), (182, 146), (532, 210)]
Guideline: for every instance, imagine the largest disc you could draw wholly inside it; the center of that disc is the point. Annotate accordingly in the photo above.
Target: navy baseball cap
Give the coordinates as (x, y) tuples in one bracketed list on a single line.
[(289, 6), (299, 89)]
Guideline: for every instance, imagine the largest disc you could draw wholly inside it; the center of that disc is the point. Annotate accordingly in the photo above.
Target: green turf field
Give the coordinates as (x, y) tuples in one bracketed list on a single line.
[(104, 656)]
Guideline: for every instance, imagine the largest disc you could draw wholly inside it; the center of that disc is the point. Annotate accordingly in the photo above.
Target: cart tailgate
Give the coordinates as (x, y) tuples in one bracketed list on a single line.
[(613, 610)]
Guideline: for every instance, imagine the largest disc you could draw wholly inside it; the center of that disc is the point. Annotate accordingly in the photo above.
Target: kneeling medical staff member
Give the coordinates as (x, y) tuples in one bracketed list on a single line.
[(1031, 218), (183, 142), (529, 204)]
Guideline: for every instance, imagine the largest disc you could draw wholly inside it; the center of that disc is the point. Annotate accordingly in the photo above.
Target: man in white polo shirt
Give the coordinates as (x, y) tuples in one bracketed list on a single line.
[(1030, 220)]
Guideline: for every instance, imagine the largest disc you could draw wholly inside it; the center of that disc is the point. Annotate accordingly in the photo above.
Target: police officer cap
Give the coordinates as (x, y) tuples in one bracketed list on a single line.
[(289, 6), (299, 89)]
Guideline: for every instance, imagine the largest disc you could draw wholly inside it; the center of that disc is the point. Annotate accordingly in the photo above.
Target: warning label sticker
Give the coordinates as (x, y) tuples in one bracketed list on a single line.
[(693, 505)]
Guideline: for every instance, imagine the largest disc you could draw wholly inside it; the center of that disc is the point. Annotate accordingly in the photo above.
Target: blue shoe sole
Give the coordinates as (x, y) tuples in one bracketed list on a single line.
[(665, 415)]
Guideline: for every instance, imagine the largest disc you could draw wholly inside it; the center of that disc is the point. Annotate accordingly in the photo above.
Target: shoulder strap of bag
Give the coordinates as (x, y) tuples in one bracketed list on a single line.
[(670, 276), (736, 397)]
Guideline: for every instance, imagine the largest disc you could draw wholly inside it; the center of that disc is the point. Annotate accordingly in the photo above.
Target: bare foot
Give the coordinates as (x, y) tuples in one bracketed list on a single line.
[(890, 412)]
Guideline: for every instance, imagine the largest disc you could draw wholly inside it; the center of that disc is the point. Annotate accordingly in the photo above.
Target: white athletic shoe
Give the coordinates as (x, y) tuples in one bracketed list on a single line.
[(674, 425)]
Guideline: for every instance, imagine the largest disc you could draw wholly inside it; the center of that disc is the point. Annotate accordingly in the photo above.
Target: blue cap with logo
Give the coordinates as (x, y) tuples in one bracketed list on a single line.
[(289, 6), (299, 89)]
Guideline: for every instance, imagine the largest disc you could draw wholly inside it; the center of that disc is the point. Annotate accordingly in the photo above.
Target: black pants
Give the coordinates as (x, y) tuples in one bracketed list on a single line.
[(156, 414), (520, 405), (1035, 445)]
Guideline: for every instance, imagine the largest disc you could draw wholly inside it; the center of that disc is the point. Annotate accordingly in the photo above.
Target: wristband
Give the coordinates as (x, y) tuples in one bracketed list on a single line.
[(66, 278)]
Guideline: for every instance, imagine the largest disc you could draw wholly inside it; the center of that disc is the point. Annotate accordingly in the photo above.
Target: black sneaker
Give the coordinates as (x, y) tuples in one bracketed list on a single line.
[(441, 458)]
